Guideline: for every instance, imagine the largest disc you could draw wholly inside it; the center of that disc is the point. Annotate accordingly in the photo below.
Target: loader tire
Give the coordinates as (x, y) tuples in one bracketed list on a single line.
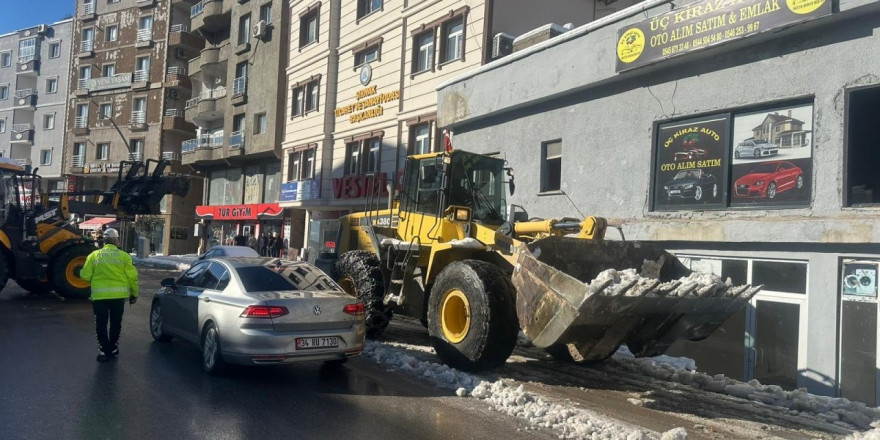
[(35, 286), (472, 316), (64, 272), (360, 275)]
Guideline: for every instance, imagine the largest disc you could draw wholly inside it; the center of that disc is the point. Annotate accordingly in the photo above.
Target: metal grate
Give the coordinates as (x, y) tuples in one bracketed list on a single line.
[(239, 86)]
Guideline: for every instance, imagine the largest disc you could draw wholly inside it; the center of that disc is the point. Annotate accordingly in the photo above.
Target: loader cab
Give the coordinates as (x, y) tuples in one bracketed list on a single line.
[(434, 182)]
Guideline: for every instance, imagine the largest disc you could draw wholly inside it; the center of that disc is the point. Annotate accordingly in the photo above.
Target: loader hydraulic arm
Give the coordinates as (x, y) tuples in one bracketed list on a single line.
[(591, 228)]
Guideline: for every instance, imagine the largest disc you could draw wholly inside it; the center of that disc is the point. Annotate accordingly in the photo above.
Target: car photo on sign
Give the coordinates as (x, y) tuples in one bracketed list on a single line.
[(769, 179), (258, 311), (691, 184)]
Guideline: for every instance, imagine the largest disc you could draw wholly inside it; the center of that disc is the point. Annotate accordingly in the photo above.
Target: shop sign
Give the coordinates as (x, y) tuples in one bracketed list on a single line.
[(110, 82), (300, 190), (708, 23), (355, 187), (368, 105), (99, 168), (239, 212)]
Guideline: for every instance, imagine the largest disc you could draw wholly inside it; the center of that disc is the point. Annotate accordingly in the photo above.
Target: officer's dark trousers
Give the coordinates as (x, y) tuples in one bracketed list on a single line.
[(108, 309)]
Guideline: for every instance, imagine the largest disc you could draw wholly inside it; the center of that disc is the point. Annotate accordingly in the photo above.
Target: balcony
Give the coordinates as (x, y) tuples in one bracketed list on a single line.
[(86, 49), (174, 120), (137, 155), (81, 126), (239, 90), (175, 77), (22, 134), (138, 121), (201, 148), (144, 38), (184, 41), (25, 99), (28, 66), (87, 12), (171, 156), (140, 79), (211, 15), (78, 161), (207, 106)]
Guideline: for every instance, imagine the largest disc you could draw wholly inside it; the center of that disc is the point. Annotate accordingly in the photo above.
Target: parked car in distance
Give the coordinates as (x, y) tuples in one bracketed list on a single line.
[(229, 251), (259, 311), (691, 184), (689, 154), (755, 148), (768, 179)]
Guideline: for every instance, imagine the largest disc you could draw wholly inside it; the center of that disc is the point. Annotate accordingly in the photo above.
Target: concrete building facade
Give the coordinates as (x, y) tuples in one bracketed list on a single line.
[(237, 106), (361, 82), (126, 90), (747, 147), (33, 97)]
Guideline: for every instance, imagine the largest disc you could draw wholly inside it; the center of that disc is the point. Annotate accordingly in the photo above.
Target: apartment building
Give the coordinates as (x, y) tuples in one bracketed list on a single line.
[(128, 89), (33, 97), (361, 82), (748, 148), (237, 106)]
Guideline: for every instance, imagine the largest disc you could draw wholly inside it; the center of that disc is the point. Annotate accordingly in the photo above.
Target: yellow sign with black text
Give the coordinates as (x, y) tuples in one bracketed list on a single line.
[(368, 105)]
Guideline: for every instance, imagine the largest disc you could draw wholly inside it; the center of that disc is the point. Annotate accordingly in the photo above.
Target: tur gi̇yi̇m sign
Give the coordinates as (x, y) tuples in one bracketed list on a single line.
[(708, 23)]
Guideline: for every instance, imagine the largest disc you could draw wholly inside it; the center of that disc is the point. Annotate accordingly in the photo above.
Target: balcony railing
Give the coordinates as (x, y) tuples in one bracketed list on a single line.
[(236, 139), (77, 161), (205, 141), (144, 35), (81, 83), (86, 45), (81, 122), (170, 155), (197, 9), (141, 75), (24, 93), (26, 59), (179, 28), (239, 86), (19, 128), (176, 70), (89, 8), (137, 155), (138, 116), (205, 95), (174, 112)]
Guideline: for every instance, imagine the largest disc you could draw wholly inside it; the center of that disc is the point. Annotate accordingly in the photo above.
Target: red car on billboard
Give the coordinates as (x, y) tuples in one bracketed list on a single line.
[(768, 179)]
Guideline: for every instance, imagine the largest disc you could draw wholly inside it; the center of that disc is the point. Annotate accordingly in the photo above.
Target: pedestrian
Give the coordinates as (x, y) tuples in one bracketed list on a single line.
[(240, 240), (264, 242), (276, 245), (252, 242), (113, 279)]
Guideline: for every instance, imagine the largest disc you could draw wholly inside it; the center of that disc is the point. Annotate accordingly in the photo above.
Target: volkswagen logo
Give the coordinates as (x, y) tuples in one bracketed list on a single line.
[(317, 310)]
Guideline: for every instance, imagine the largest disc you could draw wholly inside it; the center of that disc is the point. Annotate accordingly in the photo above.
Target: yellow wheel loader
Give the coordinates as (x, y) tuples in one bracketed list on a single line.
[(40, 247), (475, 271)]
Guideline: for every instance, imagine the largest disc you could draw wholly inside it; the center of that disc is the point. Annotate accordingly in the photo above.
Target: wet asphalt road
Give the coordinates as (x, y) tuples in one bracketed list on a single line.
[(51, 387)]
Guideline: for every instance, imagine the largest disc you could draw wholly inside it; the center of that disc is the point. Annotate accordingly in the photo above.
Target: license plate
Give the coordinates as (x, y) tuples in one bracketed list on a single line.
[(325, 342)]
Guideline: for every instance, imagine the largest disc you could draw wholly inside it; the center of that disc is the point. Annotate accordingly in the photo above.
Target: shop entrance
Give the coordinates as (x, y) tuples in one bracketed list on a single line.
[(862, 154)]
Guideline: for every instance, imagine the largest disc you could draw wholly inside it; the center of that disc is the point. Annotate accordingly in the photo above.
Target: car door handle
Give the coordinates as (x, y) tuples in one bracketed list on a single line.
[(205, 298)]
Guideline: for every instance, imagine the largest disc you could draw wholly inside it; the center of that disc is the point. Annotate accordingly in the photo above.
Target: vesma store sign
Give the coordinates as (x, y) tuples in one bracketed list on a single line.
[(355, 187), (368, 105), (708, 23)]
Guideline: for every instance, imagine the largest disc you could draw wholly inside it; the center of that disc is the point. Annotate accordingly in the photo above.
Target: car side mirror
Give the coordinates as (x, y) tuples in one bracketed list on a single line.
[(167, 282)]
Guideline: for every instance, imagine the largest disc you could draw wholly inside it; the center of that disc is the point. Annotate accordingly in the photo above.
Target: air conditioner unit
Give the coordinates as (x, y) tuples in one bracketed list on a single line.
[(260, 29), (42, 29), (173, 93), (502, 44), (179, 53)]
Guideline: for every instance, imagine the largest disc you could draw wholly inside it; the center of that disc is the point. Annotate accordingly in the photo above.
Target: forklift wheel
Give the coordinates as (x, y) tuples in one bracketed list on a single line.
[(64, 272)]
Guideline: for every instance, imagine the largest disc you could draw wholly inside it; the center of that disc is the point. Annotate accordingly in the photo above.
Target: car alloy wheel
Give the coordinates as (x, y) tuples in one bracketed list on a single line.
[(698, 194), (714, 190), (771, 191), (800, 182)]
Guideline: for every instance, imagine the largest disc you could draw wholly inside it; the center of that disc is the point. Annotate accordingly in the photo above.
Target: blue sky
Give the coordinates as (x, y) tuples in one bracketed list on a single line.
[(21, 14)]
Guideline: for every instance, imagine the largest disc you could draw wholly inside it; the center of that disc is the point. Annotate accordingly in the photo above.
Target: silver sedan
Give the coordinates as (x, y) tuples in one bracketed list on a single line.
[(259, 311)]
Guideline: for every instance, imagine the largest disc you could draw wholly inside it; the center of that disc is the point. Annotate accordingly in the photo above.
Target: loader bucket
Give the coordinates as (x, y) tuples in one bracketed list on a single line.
[(596, 295)]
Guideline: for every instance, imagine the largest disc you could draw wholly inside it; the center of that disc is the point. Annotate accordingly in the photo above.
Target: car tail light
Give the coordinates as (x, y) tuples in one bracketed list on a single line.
[(354, 309), (264, 312)]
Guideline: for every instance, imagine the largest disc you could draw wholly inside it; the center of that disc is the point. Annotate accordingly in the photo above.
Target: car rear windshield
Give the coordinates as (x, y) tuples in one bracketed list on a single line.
[(296, 277)]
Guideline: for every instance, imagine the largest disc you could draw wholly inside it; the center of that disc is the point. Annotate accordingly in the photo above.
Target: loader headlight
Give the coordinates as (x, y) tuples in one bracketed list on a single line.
[(462, 215)]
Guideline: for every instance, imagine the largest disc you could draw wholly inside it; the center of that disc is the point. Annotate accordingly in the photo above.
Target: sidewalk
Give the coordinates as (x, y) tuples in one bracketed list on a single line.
[(168, 262)]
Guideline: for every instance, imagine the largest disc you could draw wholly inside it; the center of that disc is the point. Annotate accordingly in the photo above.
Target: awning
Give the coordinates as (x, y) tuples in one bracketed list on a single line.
[(240, 212), (96, 222)]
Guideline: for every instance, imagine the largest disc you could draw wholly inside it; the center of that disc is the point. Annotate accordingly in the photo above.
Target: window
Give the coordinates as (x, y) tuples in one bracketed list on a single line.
[(141, 69), (49, 121), (27, 50), (4, 91), (305, 97), (5, 59), (423, 58), (266, 13), (54, 50), (261, 123), (82, 116), (108, 70), (103, 151), (137, 149), (45, 157), (862, 181), (367, 7), (366, 56), (111, 33), (85, 72), (238, 122), (453, 40), (145, 23), (139, 111), (3, 125), (420, 138), (51, 85), (308, 27), (363, 156), (551, 166), (301, 165), (244, 29), (105, 110), (79, 152)]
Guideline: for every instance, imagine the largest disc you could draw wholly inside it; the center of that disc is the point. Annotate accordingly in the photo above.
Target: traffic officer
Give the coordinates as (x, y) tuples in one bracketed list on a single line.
[(114, 279)]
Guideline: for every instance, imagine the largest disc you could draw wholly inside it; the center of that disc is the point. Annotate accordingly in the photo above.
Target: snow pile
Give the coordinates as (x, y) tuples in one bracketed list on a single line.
[(873, 434), (539, 412)]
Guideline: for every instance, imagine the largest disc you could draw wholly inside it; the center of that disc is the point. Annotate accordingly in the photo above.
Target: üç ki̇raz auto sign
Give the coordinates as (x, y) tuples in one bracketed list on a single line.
[(708, 23)]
